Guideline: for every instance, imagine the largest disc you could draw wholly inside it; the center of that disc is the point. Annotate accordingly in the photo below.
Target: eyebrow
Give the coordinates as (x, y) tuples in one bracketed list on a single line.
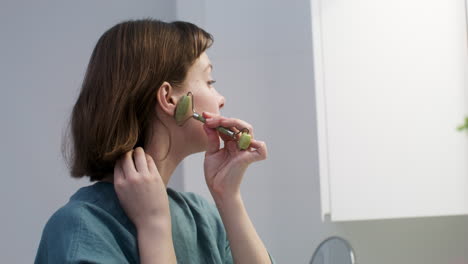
[(209, 65)]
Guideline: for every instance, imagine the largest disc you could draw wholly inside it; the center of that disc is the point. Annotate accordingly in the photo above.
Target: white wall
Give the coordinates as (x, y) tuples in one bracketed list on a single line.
[(45, 47), (262, 58)]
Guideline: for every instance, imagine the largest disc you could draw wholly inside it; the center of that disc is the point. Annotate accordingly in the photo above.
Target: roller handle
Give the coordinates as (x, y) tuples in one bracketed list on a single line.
[(221, 129)]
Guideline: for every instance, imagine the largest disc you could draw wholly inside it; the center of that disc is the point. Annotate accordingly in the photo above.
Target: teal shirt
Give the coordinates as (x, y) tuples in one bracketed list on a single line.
[(93, 228)]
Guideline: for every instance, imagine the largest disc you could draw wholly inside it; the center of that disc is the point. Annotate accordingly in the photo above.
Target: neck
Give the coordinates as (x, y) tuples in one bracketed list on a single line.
[(166, 156)]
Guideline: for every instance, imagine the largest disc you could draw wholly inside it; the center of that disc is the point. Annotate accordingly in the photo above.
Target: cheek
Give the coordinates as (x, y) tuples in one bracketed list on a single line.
[(205, 102)]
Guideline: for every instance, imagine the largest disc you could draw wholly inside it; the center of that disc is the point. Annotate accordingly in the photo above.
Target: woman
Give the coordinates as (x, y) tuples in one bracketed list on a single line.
[(125, 138)]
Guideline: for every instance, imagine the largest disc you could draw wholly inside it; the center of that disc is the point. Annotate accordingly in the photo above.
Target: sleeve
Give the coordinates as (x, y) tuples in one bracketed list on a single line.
[(229, 259), (76, 235), (223, 240)]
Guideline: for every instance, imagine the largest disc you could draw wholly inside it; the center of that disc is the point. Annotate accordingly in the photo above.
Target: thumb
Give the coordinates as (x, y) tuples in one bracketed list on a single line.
[(207, 114), (213, 140)]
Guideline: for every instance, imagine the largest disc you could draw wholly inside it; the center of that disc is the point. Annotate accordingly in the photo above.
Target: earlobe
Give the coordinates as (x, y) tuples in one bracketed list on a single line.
[(167, 100)]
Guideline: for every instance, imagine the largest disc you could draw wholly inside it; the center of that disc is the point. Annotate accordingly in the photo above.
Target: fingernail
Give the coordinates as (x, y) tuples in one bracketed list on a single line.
[(209, 119)]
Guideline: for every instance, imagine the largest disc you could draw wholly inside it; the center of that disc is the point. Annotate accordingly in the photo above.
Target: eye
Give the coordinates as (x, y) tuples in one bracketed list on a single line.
[(210, 82)]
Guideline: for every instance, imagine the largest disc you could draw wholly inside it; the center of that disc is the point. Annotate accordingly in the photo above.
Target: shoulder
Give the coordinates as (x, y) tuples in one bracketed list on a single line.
[(59, 236), (67, 218), (79, 217), (72, 215), (69, 221), (80, 229)]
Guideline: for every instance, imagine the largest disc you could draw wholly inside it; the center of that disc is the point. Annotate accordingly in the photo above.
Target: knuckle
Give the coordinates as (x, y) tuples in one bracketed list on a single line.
[(217, 189), (146, 178), (134, 179), (119, 183), (157, 179)]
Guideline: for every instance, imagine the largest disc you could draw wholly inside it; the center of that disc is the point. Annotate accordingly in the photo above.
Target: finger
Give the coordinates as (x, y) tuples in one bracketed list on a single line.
[(140, 160), (232, 147), (226, 138), (128, 165), (119, 176), (151, 165), (260, 149), (208, 114), (213, 140), (216, 121)]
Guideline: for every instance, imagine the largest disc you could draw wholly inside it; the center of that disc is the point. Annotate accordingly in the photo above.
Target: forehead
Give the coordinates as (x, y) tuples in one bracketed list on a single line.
[(202, 63), (198, 71)]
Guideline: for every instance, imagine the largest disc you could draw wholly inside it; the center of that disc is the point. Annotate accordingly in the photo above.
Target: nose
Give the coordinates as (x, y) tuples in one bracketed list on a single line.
[(221, 102)]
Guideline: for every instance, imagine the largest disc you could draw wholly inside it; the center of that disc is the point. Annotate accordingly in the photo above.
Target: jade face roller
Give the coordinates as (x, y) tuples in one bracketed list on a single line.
[(184, 111)]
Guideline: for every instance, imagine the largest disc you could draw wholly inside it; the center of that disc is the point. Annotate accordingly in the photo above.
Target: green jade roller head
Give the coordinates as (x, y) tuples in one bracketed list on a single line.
[(184, 111)]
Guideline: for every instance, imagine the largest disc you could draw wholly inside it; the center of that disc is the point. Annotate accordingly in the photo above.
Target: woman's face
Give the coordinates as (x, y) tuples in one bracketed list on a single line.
[(199, 81)]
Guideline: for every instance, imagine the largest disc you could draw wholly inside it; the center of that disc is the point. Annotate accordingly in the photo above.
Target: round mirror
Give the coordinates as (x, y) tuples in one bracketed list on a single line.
[(333, 250)]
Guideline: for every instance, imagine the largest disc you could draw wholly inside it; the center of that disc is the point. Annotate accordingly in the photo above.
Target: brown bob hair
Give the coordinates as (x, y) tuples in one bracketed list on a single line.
[(117, 101)]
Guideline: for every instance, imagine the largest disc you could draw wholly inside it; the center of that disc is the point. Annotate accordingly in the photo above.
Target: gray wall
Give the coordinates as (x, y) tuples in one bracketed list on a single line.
[(263, 64), (44, 50)]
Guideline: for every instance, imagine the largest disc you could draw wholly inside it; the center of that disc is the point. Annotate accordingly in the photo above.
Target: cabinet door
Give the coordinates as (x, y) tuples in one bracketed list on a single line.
[(391, 88)]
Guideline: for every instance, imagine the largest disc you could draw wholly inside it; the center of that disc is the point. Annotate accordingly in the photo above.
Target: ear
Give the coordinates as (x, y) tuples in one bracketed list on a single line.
[(167, 100)]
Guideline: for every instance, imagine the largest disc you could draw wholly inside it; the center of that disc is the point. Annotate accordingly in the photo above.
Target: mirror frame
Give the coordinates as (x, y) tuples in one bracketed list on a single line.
[(351, 249)]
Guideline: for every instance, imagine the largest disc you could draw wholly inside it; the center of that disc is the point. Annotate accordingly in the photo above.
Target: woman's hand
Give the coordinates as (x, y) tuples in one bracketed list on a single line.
[(141, 190), (143, 197), (224, 168)]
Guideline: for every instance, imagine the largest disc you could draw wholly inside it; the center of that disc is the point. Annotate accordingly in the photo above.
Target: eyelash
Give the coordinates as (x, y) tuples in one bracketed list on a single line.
[(211, 82)]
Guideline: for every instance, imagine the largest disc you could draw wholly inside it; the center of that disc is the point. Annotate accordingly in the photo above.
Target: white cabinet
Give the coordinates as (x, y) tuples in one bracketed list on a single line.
[(391, 88)]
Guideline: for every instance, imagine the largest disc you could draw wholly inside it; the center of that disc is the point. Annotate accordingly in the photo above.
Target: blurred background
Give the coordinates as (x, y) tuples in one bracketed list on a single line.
[(263, 65)]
